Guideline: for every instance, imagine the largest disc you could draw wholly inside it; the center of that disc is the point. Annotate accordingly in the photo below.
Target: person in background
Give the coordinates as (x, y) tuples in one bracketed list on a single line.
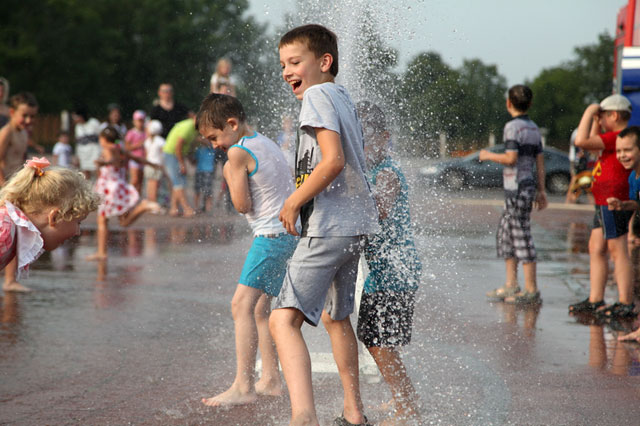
[(87, 147), (114, 119), (167, 110), (153, 147), (221, 80), (524, 187), (4, 98), (205, 157), (62, 151), (176, 149), (119, 199), (14, 139), (134, 143)]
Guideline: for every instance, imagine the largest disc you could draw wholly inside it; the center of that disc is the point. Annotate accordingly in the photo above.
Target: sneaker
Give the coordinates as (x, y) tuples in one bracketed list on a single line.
[(524, 298), (502, 292), (619, 310), (585, 307)]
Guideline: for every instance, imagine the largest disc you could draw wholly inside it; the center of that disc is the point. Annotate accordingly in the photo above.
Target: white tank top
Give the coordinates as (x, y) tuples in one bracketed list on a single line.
[(270, 183)]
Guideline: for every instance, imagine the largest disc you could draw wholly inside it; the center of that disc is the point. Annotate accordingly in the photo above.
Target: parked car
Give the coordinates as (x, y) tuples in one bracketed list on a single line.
[(458, 173)]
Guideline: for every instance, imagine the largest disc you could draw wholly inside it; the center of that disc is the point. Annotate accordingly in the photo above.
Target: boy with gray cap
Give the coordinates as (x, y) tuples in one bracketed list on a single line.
[(610, 227)]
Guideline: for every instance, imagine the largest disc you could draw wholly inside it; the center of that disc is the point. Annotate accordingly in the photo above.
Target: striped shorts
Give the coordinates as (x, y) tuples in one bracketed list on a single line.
[(514, 231)]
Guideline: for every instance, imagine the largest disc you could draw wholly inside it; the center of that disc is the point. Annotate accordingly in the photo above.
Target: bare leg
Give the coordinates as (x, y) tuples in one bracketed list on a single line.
[(395, 374), (103, 237), (530, 282), (623, 270), (208, 203), (181, 200), (270, 382), (599, 265), (345, 352), (142, 207), (152, 190), (296, 364), (135, 178), (511, 267), (173, 206), (10, 283), (196, 201), (242, 390)]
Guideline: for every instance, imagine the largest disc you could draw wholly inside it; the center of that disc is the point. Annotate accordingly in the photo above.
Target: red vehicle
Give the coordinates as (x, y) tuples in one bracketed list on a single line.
[(626, 65)]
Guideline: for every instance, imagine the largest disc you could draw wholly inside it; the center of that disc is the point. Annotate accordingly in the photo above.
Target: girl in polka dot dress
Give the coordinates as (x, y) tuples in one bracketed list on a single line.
[(119, 198)]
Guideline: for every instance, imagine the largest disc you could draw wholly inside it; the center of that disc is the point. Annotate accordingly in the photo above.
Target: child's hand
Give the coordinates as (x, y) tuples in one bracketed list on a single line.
[(289, 216), (633, 241), (484, 155), (541, 200), (614, 203)]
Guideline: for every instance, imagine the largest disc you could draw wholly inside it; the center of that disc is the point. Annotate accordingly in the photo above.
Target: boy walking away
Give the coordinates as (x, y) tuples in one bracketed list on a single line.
[(610, 227), (385, 318), (523, 154), (259, 181), (337, 211)]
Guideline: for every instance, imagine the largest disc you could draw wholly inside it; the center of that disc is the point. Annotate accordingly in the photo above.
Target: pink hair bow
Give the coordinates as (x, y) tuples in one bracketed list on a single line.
[(39, 164)]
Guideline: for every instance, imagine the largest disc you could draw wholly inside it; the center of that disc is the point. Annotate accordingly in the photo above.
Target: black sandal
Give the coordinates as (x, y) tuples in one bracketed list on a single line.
[(341, 421), (585, 307), (619, 310)]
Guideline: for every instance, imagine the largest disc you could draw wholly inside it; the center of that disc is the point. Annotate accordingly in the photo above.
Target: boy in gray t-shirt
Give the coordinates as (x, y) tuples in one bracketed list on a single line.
[(336, 209)]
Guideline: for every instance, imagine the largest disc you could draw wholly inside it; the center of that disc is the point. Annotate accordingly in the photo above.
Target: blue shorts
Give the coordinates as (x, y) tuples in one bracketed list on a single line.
[(171, 164), (614, 223), (266, 262)]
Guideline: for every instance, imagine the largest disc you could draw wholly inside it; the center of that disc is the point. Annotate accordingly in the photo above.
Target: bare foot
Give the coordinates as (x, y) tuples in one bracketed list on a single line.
[(174, 213), (230, 397), (631, 336), (269, 387), (385, 407), (397, 420), (96, 256), (16, 287), (189, 213)]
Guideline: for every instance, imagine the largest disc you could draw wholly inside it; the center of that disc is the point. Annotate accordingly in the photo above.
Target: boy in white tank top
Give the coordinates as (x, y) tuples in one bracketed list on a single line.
[(259, 181)]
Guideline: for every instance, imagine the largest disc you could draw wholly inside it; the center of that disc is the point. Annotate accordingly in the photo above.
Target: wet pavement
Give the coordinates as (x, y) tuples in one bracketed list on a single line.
[(140, 339)]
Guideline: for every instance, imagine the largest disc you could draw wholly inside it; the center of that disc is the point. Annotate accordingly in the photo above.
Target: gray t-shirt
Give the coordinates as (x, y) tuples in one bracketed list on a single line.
[(521, 135), (345, 207)]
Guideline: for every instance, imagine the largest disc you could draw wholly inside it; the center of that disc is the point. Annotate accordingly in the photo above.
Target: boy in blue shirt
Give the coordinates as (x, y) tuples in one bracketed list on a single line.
[(205, 166), (337, 211)]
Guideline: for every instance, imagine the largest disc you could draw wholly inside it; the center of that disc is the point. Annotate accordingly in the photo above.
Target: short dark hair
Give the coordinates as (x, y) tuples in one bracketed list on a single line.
[(520, 97), (25, 98), (318, 39), (631, 131), (216, 109), (110, 134), (371, 115)]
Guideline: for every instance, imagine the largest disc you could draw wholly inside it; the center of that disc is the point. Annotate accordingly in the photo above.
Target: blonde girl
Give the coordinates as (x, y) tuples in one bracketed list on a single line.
[(40, 208)]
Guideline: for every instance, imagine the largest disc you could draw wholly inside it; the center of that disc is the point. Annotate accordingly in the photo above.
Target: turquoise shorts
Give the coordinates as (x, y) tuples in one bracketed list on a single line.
[(266, 262)]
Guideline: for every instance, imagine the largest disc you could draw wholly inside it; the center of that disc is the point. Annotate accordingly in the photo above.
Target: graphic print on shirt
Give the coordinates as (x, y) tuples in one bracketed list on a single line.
[(304, 167)]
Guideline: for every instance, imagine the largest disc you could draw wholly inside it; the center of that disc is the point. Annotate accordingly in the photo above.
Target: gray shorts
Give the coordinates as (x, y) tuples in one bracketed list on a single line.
[(322, 275)]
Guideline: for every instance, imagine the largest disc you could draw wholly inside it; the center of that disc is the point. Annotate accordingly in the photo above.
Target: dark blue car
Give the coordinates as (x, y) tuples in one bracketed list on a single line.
[(459, 173)]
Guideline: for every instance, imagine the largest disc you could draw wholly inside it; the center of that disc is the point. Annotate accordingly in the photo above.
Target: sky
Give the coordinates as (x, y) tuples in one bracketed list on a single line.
[(521, 37)]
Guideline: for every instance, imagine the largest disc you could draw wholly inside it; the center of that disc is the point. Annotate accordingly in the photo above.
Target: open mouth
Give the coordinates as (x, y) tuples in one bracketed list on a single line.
[(296, 84)]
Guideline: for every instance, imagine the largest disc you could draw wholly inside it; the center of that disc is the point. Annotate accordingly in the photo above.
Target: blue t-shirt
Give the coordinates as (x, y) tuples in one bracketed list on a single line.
[(205, 157), (634, 186)]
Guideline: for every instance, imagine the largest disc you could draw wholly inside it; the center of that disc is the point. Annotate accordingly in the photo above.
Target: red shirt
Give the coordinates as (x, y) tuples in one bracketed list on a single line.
[(610, 179)]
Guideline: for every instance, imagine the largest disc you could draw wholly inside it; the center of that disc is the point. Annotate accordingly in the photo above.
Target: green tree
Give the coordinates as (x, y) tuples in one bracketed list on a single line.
[(562, 93), (105, 51)]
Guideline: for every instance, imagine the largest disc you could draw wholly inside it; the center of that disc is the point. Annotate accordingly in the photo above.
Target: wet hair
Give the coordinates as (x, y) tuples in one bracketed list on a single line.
[(372, 116), (520, 97), (216, 109), (23, 98), (631, 131), (59, 187), (624, 115), (318, 40), (110, 134)]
